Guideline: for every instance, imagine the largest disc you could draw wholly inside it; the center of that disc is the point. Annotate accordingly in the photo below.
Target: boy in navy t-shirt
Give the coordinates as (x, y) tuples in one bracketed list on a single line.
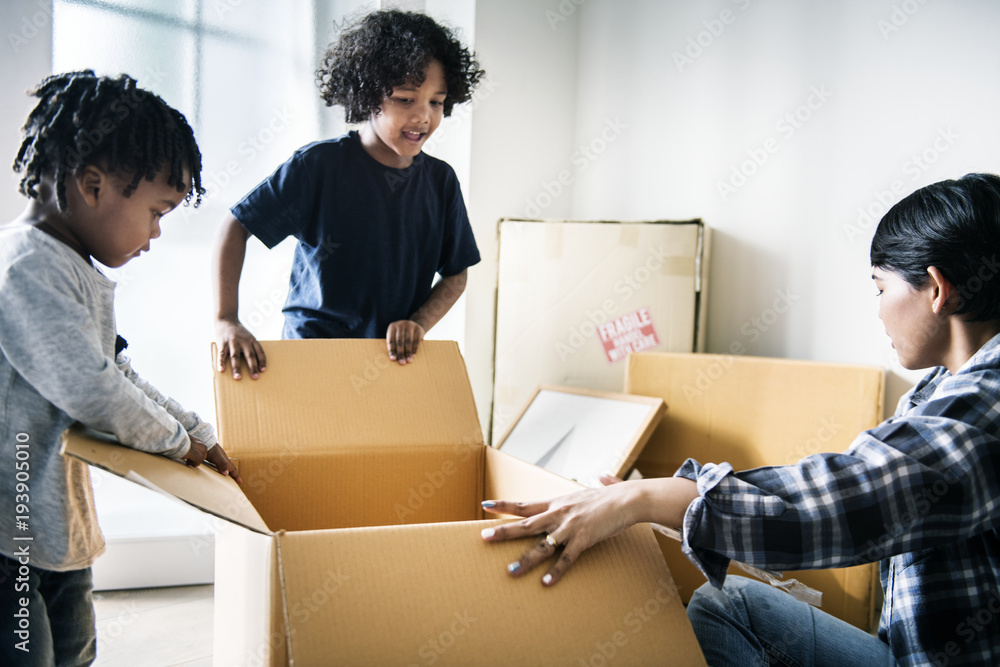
[(375, 218)]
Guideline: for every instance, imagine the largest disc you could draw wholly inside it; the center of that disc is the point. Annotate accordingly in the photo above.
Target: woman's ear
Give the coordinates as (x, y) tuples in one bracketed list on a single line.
[(90, 181), (943, 293)]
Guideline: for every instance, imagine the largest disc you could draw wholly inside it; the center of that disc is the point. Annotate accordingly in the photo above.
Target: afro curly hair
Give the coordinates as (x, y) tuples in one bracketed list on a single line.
[(385, 49), (83, 119)]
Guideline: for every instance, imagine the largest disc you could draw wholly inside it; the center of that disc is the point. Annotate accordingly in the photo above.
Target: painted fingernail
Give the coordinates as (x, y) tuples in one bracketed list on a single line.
[(547, 579), (488, 533), (514, 567), (487, 504)]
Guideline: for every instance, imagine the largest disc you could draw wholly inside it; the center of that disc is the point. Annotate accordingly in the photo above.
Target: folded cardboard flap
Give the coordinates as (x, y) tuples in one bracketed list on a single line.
[(354, 400), (200, 487), (752, 412)]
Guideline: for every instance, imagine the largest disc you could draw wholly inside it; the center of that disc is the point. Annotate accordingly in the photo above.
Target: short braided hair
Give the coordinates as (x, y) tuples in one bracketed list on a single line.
[(82, 119), (385, 49)]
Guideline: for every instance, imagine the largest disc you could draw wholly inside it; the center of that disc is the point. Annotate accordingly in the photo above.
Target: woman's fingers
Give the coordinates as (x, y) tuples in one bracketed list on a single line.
[(515, 509)]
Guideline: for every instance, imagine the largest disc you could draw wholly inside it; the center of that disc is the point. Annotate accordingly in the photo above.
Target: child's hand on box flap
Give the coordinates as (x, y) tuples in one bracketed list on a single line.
[(402, 339), (215, 457), (234, 342), (196, 453)]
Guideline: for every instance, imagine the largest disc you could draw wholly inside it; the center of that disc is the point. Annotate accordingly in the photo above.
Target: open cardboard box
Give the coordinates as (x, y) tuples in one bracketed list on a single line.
[(582, 434), (751, 412), (355, 536)]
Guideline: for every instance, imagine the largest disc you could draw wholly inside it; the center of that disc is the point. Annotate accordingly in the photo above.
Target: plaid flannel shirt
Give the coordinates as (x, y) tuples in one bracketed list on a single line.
[(920, 493)]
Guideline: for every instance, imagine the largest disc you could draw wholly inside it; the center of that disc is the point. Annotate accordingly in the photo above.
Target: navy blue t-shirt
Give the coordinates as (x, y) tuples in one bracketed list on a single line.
[(370, 238)]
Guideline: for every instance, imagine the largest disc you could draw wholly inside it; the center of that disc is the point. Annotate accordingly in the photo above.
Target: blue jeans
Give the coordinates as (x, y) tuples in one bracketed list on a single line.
[(50, 614), (749, 623)]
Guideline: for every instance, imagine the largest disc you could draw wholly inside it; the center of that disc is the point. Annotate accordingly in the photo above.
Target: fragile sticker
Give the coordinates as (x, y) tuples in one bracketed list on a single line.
[(632, 332)]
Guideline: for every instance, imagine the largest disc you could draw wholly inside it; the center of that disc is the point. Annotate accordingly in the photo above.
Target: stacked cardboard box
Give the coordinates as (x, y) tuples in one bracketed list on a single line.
[(750, 412), (575, 298)]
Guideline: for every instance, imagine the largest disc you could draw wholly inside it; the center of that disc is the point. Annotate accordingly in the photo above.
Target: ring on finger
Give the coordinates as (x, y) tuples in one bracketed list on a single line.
[(551, 541)]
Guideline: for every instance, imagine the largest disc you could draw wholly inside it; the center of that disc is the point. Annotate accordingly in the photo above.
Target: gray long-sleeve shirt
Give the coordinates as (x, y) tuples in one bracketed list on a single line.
[(57, 367)]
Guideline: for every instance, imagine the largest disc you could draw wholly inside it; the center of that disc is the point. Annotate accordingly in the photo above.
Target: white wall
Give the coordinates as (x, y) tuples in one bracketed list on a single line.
[(522, 133), (902, 95), (26, 58)]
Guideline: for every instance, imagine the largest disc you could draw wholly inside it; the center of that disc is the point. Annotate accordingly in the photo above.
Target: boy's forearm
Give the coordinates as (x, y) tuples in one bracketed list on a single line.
[(444, 295), (230, 252)]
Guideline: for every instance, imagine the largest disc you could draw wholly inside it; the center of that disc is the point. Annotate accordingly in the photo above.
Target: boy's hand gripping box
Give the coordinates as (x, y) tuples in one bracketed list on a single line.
[(355, 536)]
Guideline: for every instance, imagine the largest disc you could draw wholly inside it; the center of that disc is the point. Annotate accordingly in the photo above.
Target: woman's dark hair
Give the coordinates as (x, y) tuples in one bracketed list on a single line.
[(390, 48), (954, 226), (82, 119)]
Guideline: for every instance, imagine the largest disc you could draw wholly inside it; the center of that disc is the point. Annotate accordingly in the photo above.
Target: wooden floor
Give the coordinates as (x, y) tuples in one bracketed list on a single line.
[(158, 627)]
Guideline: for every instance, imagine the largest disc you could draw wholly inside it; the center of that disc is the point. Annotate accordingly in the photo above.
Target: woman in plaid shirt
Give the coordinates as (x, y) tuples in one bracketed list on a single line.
[(920, 492)]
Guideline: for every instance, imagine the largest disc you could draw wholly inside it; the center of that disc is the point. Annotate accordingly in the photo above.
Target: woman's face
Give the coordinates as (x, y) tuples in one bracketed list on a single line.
[(916, 331)]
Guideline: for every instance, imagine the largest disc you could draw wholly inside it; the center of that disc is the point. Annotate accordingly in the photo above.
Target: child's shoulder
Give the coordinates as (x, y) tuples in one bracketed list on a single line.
[(346, 145), (24, 247)]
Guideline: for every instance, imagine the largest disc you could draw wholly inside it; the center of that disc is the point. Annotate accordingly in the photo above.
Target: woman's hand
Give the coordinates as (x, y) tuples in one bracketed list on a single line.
[(234, 342), (567, 526), (576, 522)]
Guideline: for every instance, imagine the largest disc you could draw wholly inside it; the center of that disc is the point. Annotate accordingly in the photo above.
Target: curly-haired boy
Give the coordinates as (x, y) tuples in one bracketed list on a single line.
[(376, 219)]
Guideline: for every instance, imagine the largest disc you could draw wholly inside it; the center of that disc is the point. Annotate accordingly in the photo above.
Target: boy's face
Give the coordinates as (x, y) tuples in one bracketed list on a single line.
[(111, 227), (409, 116), (915, 330)]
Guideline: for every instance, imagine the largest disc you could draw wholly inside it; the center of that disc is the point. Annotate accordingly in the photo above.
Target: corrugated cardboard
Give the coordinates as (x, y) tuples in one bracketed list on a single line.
[(355, 537), (751, 412), (582, 434), (567, 291)]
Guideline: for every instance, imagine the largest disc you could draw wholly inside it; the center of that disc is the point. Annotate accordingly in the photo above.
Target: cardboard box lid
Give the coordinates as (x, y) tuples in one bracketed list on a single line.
[(347, 395), (200, 487)]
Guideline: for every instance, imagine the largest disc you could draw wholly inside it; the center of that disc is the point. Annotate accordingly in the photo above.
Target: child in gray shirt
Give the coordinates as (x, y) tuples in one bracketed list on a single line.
[(103, 162)]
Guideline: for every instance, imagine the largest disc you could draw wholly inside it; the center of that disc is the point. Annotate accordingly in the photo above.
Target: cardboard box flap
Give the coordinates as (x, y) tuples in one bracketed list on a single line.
[(343, 606), (201, 487), (347, 395)]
